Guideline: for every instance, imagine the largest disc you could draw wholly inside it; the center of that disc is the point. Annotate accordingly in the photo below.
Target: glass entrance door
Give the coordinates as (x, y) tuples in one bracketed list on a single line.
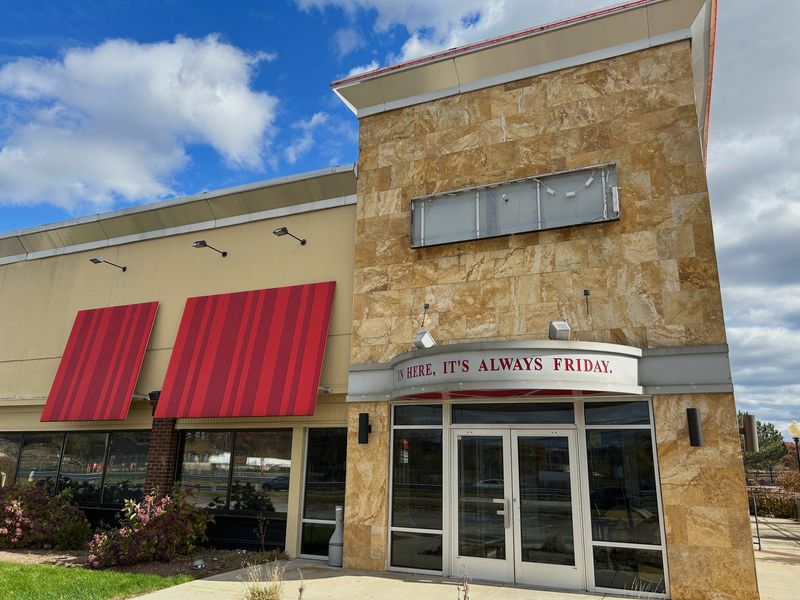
[(515, 507)]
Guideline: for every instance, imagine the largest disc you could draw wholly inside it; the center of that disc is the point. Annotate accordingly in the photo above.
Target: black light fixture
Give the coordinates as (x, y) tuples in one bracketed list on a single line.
[(100, 260), (695, 427), (364, 428), (154, 397), (204, 244), (281, 231), (750, 432)]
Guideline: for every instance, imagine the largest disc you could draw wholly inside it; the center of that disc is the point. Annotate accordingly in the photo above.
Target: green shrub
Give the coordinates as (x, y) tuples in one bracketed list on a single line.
[(774, 503), (30, 517), (157, 528), (790, 481)]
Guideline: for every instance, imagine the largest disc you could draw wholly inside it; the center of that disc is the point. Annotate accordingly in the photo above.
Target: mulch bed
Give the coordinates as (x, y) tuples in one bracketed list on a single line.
[(216, 561)]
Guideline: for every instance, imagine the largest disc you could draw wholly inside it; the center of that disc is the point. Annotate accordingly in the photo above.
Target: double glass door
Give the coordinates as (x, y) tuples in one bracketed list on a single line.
[(515, 510)]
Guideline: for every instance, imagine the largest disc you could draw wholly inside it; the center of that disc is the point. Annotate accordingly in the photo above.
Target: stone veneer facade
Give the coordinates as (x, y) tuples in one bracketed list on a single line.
[(652, 275)]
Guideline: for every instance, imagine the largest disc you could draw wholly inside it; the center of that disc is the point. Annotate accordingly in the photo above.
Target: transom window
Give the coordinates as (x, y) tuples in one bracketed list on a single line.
[(531, 204)]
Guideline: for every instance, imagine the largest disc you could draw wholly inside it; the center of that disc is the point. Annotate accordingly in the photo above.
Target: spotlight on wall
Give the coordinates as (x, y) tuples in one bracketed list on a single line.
[(204, 244), (750, 432), (364, 428), (153, 397), (100, 260), (281, 231), (559, 330), (695, 427), (424, 340)]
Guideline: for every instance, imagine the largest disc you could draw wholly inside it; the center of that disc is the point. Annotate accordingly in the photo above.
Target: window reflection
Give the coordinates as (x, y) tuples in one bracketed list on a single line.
[(39, 458), (205, 467), (82, 465), (417, 479), (629, 569), (417, 550), (325, 473), (622, 487), (9, 453), (261, 466), (127, 462)]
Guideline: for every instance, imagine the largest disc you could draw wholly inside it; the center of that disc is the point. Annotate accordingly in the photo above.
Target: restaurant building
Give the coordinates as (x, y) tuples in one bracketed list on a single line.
[(498, 341)]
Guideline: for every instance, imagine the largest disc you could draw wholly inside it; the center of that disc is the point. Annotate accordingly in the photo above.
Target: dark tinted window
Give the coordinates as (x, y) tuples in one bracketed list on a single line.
[(82, 465), (9, 453), (617, 413), (325, 473), (417, 479), (315, 538), (429, 414), (622, 487), (127, 463), (533, 412), (417, 550), (39, 458), (261, 466), (629, 569)]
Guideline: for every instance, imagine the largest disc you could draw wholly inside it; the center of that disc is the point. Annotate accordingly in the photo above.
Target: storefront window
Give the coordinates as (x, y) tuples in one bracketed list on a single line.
[(9, 454), (82, 465), (617, 413), (513, 413), (261, 466), (630, 569), (416, 503), (324, 487), (622, 487), (127, 462), (205, 467), (39, 458)]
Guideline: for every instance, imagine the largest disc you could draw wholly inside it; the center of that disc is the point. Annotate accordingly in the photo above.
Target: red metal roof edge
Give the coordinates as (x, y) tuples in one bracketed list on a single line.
[(492, 42)]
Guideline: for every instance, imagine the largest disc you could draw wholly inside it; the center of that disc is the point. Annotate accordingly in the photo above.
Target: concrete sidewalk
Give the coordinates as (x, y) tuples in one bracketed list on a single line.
[(322, 582), (777, 564), (778, 561)]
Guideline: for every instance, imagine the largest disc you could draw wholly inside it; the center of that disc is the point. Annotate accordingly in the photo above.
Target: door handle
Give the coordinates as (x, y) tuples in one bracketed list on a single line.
[(503, 511)]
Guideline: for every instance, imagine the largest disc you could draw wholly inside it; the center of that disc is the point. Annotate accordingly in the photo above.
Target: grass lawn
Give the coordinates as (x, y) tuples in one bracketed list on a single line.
[(43, 582)]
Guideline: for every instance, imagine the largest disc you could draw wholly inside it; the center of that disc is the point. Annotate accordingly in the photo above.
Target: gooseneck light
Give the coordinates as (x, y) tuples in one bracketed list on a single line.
[(97, 260)]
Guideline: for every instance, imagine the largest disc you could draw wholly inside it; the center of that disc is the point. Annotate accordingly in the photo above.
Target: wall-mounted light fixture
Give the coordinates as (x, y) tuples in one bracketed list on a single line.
[(281, 231), (364, 428), (695, 427), (559, 330), (99, 259), (153, 397), (750, 432), (424, 340), (204, 244)]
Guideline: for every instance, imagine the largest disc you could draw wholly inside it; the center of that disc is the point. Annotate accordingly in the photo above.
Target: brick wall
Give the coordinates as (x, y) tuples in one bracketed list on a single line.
[(162, 455)]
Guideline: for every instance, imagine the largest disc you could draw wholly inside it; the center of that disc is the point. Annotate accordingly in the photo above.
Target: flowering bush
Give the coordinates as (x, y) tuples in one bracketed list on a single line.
[(157, 528), (32, 518), (790, 481), (774, 503)]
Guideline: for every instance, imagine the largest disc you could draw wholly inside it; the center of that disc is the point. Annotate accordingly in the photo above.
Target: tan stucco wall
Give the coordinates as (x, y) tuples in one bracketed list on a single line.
[(39, 298), (709, 542), (652, 274)]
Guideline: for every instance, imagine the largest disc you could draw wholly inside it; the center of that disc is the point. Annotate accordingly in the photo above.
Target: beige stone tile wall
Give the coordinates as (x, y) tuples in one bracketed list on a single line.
[(709, 542), (652, 274), (367, 489)]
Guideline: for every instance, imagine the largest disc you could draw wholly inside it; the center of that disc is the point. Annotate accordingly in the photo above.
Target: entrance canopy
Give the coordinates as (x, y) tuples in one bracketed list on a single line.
[(249, 354), (101, 363)]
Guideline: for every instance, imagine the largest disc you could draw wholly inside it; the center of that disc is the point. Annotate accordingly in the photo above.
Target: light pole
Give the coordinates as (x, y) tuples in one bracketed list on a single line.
[(794, 431)]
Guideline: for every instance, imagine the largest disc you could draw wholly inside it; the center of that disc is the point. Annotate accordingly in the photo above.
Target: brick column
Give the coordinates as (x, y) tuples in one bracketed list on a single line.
[(161, 456)]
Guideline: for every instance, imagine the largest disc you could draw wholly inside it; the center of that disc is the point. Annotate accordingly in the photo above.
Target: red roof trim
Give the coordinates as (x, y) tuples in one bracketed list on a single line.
[(492, 42)]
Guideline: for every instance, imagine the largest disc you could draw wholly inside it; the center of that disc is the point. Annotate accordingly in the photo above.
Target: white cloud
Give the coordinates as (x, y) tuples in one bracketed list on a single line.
[(297, 149), (113, 122), (363, 69), (437, 25), (347, 40)]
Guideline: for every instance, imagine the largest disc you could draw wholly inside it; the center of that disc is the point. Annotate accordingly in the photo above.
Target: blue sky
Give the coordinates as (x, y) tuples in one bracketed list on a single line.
[(104, 104)]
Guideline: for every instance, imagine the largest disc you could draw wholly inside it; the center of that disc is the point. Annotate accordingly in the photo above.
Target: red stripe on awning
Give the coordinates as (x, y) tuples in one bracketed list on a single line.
[(101, 363), (249, 354)]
